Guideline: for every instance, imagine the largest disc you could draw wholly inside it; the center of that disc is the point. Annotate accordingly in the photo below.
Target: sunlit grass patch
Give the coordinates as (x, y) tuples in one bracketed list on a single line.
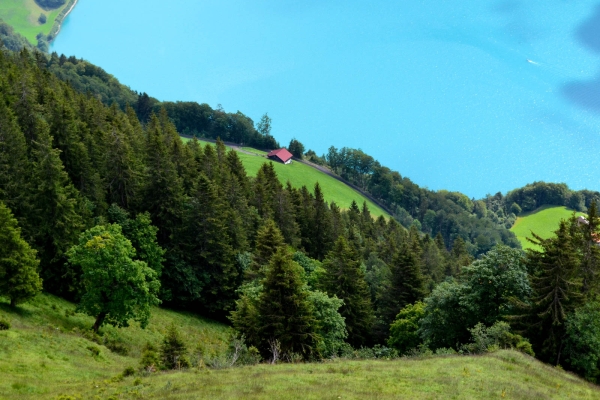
[(543, 222)]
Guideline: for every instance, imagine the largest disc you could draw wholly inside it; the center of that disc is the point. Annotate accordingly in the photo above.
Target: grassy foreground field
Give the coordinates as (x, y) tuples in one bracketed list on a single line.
[(48, 350), (23, 16), (46, 354), (543, 222), (304, 175)]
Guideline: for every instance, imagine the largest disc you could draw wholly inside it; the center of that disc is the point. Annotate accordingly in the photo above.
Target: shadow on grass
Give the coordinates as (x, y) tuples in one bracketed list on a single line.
[(5, 306)]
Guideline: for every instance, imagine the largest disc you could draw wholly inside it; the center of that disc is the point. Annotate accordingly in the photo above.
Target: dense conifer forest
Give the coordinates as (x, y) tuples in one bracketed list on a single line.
[(104, 205)]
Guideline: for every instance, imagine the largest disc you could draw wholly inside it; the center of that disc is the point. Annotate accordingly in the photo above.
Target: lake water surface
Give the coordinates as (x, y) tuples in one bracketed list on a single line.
[(476, 96)]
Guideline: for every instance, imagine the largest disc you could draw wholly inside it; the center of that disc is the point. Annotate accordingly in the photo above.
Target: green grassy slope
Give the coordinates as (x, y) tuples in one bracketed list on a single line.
[(303, 175), (505, 374), (45, 353), (23, 16), (543, 222)]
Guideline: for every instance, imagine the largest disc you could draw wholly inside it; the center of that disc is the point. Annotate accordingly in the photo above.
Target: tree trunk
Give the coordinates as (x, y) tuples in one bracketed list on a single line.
[(99, 321)]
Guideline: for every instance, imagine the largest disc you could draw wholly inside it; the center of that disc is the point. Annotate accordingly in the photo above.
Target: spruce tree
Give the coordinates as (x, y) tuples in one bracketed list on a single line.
[(19, 279), (285, 312), (406, 283), (163, 194), (556, 288), (57, 215), (15, 170), (268, 241), (590, 252), (209, 274), (345, 279), (321, 236)]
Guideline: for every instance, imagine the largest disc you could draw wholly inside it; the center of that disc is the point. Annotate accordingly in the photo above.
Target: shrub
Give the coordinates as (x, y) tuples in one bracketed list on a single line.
[(95, 350), (404, 330), (4, 325), (42, 19), (173, 351), (116, 347), (129, 371), (50, 4), (582, 342), (150, 358), (497, 336)]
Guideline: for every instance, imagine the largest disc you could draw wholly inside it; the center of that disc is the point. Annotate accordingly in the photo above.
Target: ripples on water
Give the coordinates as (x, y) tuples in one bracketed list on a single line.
[(444, 93)]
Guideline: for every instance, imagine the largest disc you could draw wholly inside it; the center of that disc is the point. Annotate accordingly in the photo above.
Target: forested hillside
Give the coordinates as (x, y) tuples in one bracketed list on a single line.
[(104, 205), (69, 162)]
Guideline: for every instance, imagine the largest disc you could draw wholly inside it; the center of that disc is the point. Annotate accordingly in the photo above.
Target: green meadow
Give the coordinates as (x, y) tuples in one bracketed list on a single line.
[(23, 16), (304, 175), (48, 353), (543, 222), (49, 349)]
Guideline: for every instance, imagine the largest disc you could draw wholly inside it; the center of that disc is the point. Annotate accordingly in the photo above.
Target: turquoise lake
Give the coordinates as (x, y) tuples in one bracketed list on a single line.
[(475, 96)]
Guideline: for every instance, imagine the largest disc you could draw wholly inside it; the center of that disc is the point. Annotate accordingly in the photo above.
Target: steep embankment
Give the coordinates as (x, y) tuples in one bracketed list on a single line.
[(543, 222), (300, 174), (48, 354)]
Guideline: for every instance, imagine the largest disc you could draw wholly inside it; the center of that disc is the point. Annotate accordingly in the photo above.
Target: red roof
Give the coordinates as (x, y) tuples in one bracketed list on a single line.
[(281, 154)]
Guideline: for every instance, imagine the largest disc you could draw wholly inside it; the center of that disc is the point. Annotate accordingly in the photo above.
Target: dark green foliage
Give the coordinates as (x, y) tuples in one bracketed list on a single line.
[(296, 148), (4, 325), (173, 351), (50, 4), (448, 213), (116, 288), (497, 336), (42, 19), (406, 283), (151, 359), (484, 293), (19, 279), (582, 343), (268, 241), (344, 278), (142, 235), (12, 40), (284, 311), (556, 288)]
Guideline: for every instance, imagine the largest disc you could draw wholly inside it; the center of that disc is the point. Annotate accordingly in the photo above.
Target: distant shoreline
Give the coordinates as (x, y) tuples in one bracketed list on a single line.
[(60, 19)]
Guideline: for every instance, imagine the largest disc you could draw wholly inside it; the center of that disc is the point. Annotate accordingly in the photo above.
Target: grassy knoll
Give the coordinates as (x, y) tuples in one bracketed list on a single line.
[(23, 16), (543, 222), (505, 374), (48, 351), (303, 175)]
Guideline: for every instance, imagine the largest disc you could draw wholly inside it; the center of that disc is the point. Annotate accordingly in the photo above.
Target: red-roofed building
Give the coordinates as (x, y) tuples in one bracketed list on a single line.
[(281, 155)]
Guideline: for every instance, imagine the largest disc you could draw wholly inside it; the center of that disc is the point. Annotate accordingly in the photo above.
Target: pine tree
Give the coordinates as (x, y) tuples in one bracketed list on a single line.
[(15, 171), (321, 236), (210, 275), (268, 241), (57, 215), (163, 194), (286, 314), (173, 351), (123, 169), (345, 279), (590, 261), (19, 279), (556, 292), (459, 257), (406, 283)]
